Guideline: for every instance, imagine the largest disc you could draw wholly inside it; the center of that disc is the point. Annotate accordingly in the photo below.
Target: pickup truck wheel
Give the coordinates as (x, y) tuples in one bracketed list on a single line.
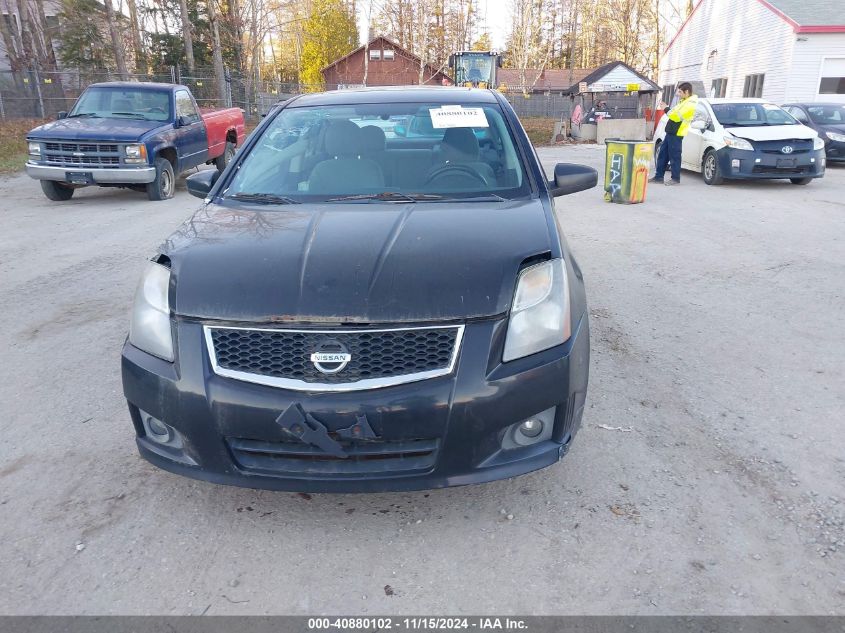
[(800, 181), (165, 181), (710, 170), (56, 191), (225, 158)]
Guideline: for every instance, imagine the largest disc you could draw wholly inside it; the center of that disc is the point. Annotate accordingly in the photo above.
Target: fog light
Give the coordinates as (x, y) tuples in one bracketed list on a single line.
[(531, 428), (537, 428), (157, 430), (735, 163), (758, 160), (812, 160)]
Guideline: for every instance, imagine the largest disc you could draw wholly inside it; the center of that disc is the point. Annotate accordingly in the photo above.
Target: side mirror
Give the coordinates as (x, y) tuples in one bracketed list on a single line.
[(182, 121), (571, 178), (200, 183), (400, 130), (699, 125), (61, 115)]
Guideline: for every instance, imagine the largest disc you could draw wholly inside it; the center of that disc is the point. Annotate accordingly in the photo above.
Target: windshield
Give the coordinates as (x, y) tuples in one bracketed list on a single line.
[(827, 114), (123, 103), (473, 67), (751, 114), (399, 152)]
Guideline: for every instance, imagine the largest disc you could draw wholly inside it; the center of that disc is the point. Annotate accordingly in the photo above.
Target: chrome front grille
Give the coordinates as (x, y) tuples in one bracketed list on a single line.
[(98, 161), (61, 154), (377, 357)]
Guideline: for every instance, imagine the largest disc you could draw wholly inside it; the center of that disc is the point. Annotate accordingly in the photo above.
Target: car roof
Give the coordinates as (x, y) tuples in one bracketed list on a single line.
[(397, 94), (826, 104), (142, 85), (736, 100)]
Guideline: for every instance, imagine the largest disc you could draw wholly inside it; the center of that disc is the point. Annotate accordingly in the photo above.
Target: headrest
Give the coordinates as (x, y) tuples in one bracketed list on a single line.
[(343, 138), (372, 139), (459, 144), (122, 105)]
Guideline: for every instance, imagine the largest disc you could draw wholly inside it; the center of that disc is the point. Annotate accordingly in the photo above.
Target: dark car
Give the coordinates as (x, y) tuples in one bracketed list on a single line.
[(340, 316), (828, 119)]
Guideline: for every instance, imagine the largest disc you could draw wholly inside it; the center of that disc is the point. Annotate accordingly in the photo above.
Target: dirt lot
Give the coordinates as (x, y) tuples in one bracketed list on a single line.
[(708, 477)]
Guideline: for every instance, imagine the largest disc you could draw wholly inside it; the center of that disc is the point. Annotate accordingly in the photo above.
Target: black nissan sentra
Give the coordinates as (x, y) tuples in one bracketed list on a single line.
[(357, 309)]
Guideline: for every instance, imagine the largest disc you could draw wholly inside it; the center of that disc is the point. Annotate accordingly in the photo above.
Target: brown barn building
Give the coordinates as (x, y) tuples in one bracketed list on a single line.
[(389, 65)]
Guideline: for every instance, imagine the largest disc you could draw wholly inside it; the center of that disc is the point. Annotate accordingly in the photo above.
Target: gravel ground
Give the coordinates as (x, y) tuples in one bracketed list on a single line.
[(709, 476)]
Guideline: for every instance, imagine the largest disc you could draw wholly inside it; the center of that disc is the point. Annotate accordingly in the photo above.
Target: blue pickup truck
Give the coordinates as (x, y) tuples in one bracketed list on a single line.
[(130, 134)]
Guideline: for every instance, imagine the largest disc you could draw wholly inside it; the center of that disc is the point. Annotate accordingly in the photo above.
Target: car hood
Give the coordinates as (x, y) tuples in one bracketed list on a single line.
[(838, 128), (773, 132), (365, 263), (91, 129)]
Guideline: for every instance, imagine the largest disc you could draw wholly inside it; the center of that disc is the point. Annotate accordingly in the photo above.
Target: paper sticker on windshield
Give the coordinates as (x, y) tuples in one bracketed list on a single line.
[(457, 116)]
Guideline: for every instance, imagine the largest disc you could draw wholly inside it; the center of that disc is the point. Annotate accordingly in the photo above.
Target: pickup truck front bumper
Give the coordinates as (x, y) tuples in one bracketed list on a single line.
[(117, 176)]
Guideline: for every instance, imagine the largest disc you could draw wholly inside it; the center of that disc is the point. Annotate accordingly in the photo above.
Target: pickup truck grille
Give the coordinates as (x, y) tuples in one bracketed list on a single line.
[(99, 161), (379, 358), (80, 147), (61, 154)]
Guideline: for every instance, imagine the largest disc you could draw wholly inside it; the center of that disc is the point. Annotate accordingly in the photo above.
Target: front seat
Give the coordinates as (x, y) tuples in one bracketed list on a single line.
[(346, 172), (460, 147), (122, 105)]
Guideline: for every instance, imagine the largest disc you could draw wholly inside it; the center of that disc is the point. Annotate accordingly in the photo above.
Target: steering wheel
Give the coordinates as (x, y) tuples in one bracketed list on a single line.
[(462, 170), (158, 109)]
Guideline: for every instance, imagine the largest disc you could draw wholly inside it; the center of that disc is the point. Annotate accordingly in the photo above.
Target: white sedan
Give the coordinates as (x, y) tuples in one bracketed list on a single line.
[(748, 139)]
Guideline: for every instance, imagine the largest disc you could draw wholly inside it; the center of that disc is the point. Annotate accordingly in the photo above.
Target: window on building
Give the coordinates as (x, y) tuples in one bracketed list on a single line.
[(668, 94), (832, 86), (753, 86), (375, 53), (832, 81), (388, 55), (718, 88)]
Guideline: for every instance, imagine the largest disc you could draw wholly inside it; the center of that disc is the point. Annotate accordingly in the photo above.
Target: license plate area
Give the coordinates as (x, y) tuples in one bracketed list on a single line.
[(79, 177), (785, 163)]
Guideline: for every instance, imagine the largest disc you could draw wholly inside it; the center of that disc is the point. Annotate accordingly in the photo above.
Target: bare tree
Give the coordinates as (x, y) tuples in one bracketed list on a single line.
[(217, 52), (187, 34), (117, 44)]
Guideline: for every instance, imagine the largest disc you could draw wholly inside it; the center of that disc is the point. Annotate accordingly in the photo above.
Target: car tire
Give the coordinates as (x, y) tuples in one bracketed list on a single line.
[(710, 169), (800, 181), (226, 157), (56, 191), (164, 184)]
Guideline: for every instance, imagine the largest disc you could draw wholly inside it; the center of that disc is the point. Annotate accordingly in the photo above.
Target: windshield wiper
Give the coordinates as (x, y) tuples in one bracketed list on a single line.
[(262, 198), (93, 115), (389, 196), (137, 115)]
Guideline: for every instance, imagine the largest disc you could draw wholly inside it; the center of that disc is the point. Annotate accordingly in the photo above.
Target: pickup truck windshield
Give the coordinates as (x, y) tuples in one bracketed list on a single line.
[(751, 114), (123, 103), (394, 152)]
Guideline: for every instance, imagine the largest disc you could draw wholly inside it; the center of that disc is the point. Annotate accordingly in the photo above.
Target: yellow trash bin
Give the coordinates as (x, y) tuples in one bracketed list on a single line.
[(627, 164)]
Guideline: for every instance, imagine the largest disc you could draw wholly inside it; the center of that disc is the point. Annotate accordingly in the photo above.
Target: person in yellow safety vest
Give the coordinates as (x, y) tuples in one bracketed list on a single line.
[(677, 123)]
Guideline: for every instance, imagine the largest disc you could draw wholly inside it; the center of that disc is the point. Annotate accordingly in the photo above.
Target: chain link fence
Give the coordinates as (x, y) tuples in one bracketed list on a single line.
[(42, 95)]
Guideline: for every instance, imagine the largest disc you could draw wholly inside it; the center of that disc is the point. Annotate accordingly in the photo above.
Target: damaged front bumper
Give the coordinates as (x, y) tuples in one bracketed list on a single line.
[(445, 431)]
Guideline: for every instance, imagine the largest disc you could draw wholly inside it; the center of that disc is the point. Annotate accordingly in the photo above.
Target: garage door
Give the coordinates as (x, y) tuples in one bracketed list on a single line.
[(833, 77)]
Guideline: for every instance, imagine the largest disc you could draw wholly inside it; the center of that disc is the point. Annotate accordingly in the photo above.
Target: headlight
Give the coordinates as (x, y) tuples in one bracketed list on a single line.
[(833, 136), (540, 313), (136, 153), (34, 149), (149, 328), (738, 143)]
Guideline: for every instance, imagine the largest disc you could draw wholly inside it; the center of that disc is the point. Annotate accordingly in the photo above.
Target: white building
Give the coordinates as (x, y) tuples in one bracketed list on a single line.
[(780, 50)]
